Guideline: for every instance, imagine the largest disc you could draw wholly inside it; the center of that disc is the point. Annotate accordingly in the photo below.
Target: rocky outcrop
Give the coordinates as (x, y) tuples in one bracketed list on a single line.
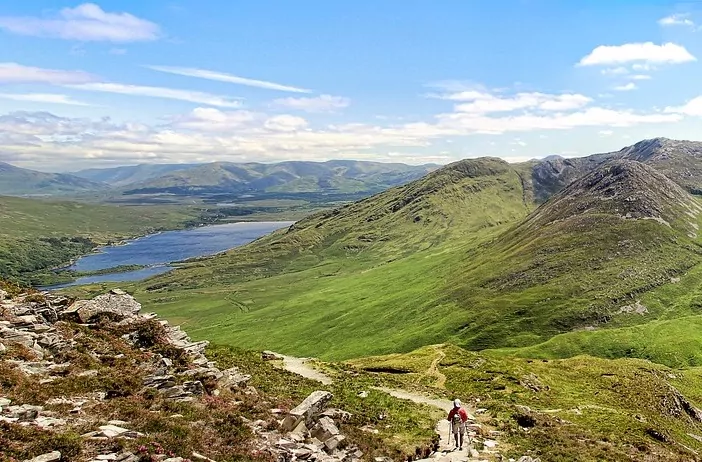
[(36, 329)]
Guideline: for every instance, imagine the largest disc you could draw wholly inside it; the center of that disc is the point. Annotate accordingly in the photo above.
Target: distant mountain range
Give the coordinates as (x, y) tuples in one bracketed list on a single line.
[(333, 177), (680, 161), (15, 181)]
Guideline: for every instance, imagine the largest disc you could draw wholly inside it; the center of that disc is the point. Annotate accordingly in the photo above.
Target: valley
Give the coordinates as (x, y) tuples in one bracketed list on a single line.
[(561, 297)]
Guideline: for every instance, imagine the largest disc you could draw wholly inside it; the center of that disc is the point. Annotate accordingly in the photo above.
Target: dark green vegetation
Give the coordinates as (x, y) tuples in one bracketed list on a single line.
[(37, 235), (17, 181), (582, 408)]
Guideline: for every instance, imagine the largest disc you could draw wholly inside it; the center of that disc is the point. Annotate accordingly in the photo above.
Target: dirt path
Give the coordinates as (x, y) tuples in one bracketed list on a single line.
[(434, 371), (300, 367), (446, 452)]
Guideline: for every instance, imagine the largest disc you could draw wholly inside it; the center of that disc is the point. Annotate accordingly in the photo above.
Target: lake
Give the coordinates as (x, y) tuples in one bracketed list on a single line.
[(157, 251)]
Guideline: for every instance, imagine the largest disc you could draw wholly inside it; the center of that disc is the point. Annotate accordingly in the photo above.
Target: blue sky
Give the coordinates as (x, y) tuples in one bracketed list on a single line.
[(125, 82)]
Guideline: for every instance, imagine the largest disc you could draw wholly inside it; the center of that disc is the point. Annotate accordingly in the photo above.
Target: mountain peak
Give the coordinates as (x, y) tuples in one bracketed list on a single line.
[(624, 188)]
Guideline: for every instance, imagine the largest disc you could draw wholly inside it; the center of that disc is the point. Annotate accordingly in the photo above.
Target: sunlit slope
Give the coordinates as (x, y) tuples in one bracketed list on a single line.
[(579, 260), (364, 278), (449, 257)]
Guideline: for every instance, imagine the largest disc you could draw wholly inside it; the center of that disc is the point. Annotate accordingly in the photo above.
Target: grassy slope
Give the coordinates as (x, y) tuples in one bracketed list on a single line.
[(37, 235), (334, 280), (438, 260), (581, 408)]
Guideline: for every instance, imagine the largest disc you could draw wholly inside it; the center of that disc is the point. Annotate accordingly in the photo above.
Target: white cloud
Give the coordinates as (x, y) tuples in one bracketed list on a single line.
[(606, 132), (621, 70), (677, 20), (626, 87), (691, 108), (86, 22), (640, 77), (118, 51), (48, 98), (159, 92), (322, 103), (214, 120), (229, 78), (668, 53), (484, 103), (285, 123), (17, 73)]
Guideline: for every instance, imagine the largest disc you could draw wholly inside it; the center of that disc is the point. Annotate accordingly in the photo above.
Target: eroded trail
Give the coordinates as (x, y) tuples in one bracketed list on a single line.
[(434, 371), (300, 367)]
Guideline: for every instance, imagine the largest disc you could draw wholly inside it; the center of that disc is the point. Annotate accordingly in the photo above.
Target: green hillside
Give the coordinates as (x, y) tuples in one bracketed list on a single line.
[(442, 259), (17, 181), (37, 235)]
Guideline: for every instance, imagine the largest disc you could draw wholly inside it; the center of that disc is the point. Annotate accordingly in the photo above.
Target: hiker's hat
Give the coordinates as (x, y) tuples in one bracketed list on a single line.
[(456, 403)]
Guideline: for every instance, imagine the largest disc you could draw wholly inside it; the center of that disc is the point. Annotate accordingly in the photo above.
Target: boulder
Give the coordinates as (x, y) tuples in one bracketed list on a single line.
[(113, 431), (271, 356), (324, 429), (333, 442), (4, 295), (48, 457), (307, 410), (116, 304), (233, 378)]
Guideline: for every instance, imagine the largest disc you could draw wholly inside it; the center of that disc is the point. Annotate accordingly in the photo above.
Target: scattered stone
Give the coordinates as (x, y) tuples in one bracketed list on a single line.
[(233, 378), (201, 457), (324, 429), (271, 356), (311, 406), (363, 394), (48, 457), (114, 431), (333, 442), (112, 456)]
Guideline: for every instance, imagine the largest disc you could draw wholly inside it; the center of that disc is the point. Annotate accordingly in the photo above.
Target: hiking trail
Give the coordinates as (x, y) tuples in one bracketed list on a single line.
[(446, 451)]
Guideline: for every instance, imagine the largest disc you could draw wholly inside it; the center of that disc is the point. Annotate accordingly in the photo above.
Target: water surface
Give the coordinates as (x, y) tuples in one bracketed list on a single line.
[(156, 251)]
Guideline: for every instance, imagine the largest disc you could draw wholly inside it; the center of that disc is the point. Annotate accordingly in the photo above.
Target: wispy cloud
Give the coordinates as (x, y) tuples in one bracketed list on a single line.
[(668, 53), (480, 102), (47, 98), (615, 71), (626, 87), (322, 103), (17, 73), (86, 22), (640, 77), (677, 20), (160, 92), (229, 78)]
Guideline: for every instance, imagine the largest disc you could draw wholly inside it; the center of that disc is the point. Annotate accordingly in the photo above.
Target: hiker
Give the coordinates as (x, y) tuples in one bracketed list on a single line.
[(458, 418)]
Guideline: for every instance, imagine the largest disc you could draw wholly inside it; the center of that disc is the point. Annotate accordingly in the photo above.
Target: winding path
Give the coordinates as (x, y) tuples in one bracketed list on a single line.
[(446, 452)]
